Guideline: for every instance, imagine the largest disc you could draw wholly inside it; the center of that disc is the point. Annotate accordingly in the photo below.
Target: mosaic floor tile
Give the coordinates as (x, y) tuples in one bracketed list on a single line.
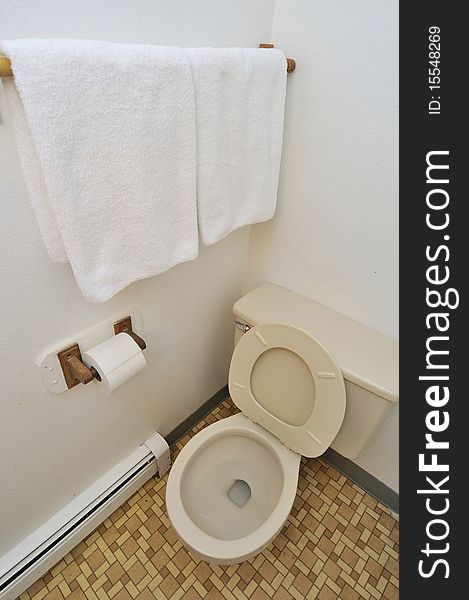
[(338, 543)]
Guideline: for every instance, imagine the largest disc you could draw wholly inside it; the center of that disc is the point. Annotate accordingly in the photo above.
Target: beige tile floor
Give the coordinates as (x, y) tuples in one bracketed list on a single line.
[(338, 543)]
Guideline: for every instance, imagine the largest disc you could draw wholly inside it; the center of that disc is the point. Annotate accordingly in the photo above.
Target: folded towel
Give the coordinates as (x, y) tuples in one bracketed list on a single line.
[(106, 137), (240, 99)]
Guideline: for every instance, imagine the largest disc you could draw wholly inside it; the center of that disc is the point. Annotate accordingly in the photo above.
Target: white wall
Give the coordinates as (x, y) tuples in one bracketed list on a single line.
[(334, 238), (52, 446)]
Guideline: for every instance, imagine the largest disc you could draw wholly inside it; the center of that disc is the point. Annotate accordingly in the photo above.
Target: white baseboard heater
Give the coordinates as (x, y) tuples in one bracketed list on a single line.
[(40, 551)]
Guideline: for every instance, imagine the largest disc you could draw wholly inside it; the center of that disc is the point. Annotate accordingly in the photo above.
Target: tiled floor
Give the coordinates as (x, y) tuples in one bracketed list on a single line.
[(338, 543)]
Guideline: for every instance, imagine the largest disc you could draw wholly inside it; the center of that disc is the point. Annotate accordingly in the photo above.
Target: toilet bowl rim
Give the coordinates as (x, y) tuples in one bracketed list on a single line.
[(231, 550)]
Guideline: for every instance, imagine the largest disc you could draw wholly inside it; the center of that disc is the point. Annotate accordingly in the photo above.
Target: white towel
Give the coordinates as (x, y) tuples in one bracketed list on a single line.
[(106, 137), (240, 100)]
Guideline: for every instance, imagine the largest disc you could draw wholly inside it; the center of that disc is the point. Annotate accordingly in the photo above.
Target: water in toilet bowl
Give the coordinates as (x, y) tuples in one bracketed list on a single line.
[(231, 486)]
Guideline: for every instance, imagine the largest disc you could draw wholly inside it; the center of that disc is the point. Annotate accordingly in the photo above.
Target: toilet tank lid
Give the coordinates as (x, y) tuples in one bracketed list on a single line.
[(366, 357)]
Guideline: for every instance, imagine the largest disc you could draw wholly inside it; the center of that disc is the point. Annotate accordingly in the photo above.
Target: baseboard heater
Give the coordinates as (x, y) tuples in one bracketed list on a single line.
[(40, 551)]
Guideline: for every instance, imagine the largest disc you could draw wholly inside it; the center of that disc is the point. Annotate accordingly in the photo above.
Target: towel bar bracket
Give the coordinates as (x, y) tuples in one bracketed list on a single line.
[(291, 63)]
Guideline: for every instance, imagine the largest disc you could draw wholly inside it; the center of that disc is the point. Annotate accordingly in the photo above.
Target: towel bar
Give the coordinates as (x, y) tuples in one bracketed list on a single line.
[(5, 64)]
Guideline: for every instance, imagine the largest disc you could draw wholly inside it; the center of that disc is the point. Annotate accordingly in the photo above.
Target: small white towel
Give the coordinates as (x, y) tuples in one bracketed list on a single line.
[(106, 137), (240, 101)]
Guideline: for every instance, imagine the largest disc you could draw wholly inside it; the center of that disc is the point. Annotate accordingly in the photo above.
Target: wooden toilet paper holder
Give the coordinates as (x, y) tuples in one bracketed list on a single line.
[(73, 367), (125, 326)]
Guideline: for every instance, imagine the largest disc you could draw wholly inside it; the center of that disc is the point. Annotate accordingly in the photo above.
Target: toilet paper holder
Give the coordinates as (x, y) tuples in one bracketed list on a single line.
[(125, 326), (74, 369)]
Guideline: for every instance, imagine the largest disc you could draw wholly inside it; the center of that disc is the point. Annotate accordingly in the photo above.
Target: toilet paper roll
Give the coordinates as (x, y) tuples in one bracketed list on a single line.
[(117, 360)]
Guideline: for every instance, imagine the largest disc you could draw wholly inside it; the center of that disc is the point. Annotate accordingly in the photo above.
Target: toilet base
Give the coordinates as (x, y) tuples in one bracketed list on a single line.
[(231, 561)]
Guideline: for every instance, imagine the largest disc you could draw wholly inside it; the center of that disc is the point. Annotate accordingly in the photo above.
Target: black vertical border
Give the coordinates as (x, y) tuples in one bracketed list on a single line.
[(421, 133)]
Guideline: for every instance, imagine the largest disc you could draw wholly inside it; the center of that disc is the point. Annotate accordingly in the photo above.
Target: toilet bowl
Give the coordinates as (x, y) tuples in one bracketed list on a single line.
[(231, 490), (232, 486)]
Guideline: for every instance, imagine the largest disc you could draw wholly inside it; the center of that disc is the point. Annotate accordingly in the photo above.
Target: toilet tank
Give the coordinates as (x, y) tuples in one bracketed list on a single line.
[(368, 359)]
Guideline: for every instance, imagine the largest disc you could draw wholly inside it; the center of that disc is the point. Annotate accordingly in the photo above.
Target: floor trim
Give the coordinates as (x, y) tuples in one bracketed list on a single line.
[(178, 432), (362, 478), (365, 480)]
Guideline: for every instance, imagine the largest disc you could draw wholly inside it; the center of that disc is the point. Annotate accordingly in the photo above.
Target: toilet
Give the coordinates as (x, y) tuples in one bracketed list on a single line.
[(294, 377)]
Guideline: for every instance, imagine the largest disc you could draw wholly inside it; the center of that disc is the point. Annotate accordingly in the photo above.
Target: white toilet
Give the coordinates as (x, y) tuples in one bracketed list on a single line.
[(232, 486)]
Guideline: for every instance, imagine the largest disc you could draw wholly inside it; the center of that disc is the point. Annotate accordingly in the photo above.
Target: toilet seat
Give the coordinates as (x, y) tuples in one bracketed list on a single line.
[(283, 379), (197, 461)]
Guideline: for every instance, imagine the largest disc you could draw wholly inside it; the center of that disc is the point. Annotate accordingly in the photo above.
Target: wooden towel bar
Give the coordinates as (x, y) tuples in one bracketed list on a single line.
[(5, 64)]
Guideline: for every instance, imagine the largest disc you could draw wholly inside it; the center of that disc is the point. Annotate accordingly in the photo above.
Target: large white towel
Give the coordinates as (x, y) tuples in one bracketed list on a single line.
[(106, 137), (240, 100)]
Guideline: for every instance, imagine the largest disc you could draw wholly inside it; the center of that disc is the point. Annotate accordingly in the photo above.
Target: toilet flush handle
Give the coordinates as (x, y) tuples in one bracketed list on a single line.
[(243, 326)]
